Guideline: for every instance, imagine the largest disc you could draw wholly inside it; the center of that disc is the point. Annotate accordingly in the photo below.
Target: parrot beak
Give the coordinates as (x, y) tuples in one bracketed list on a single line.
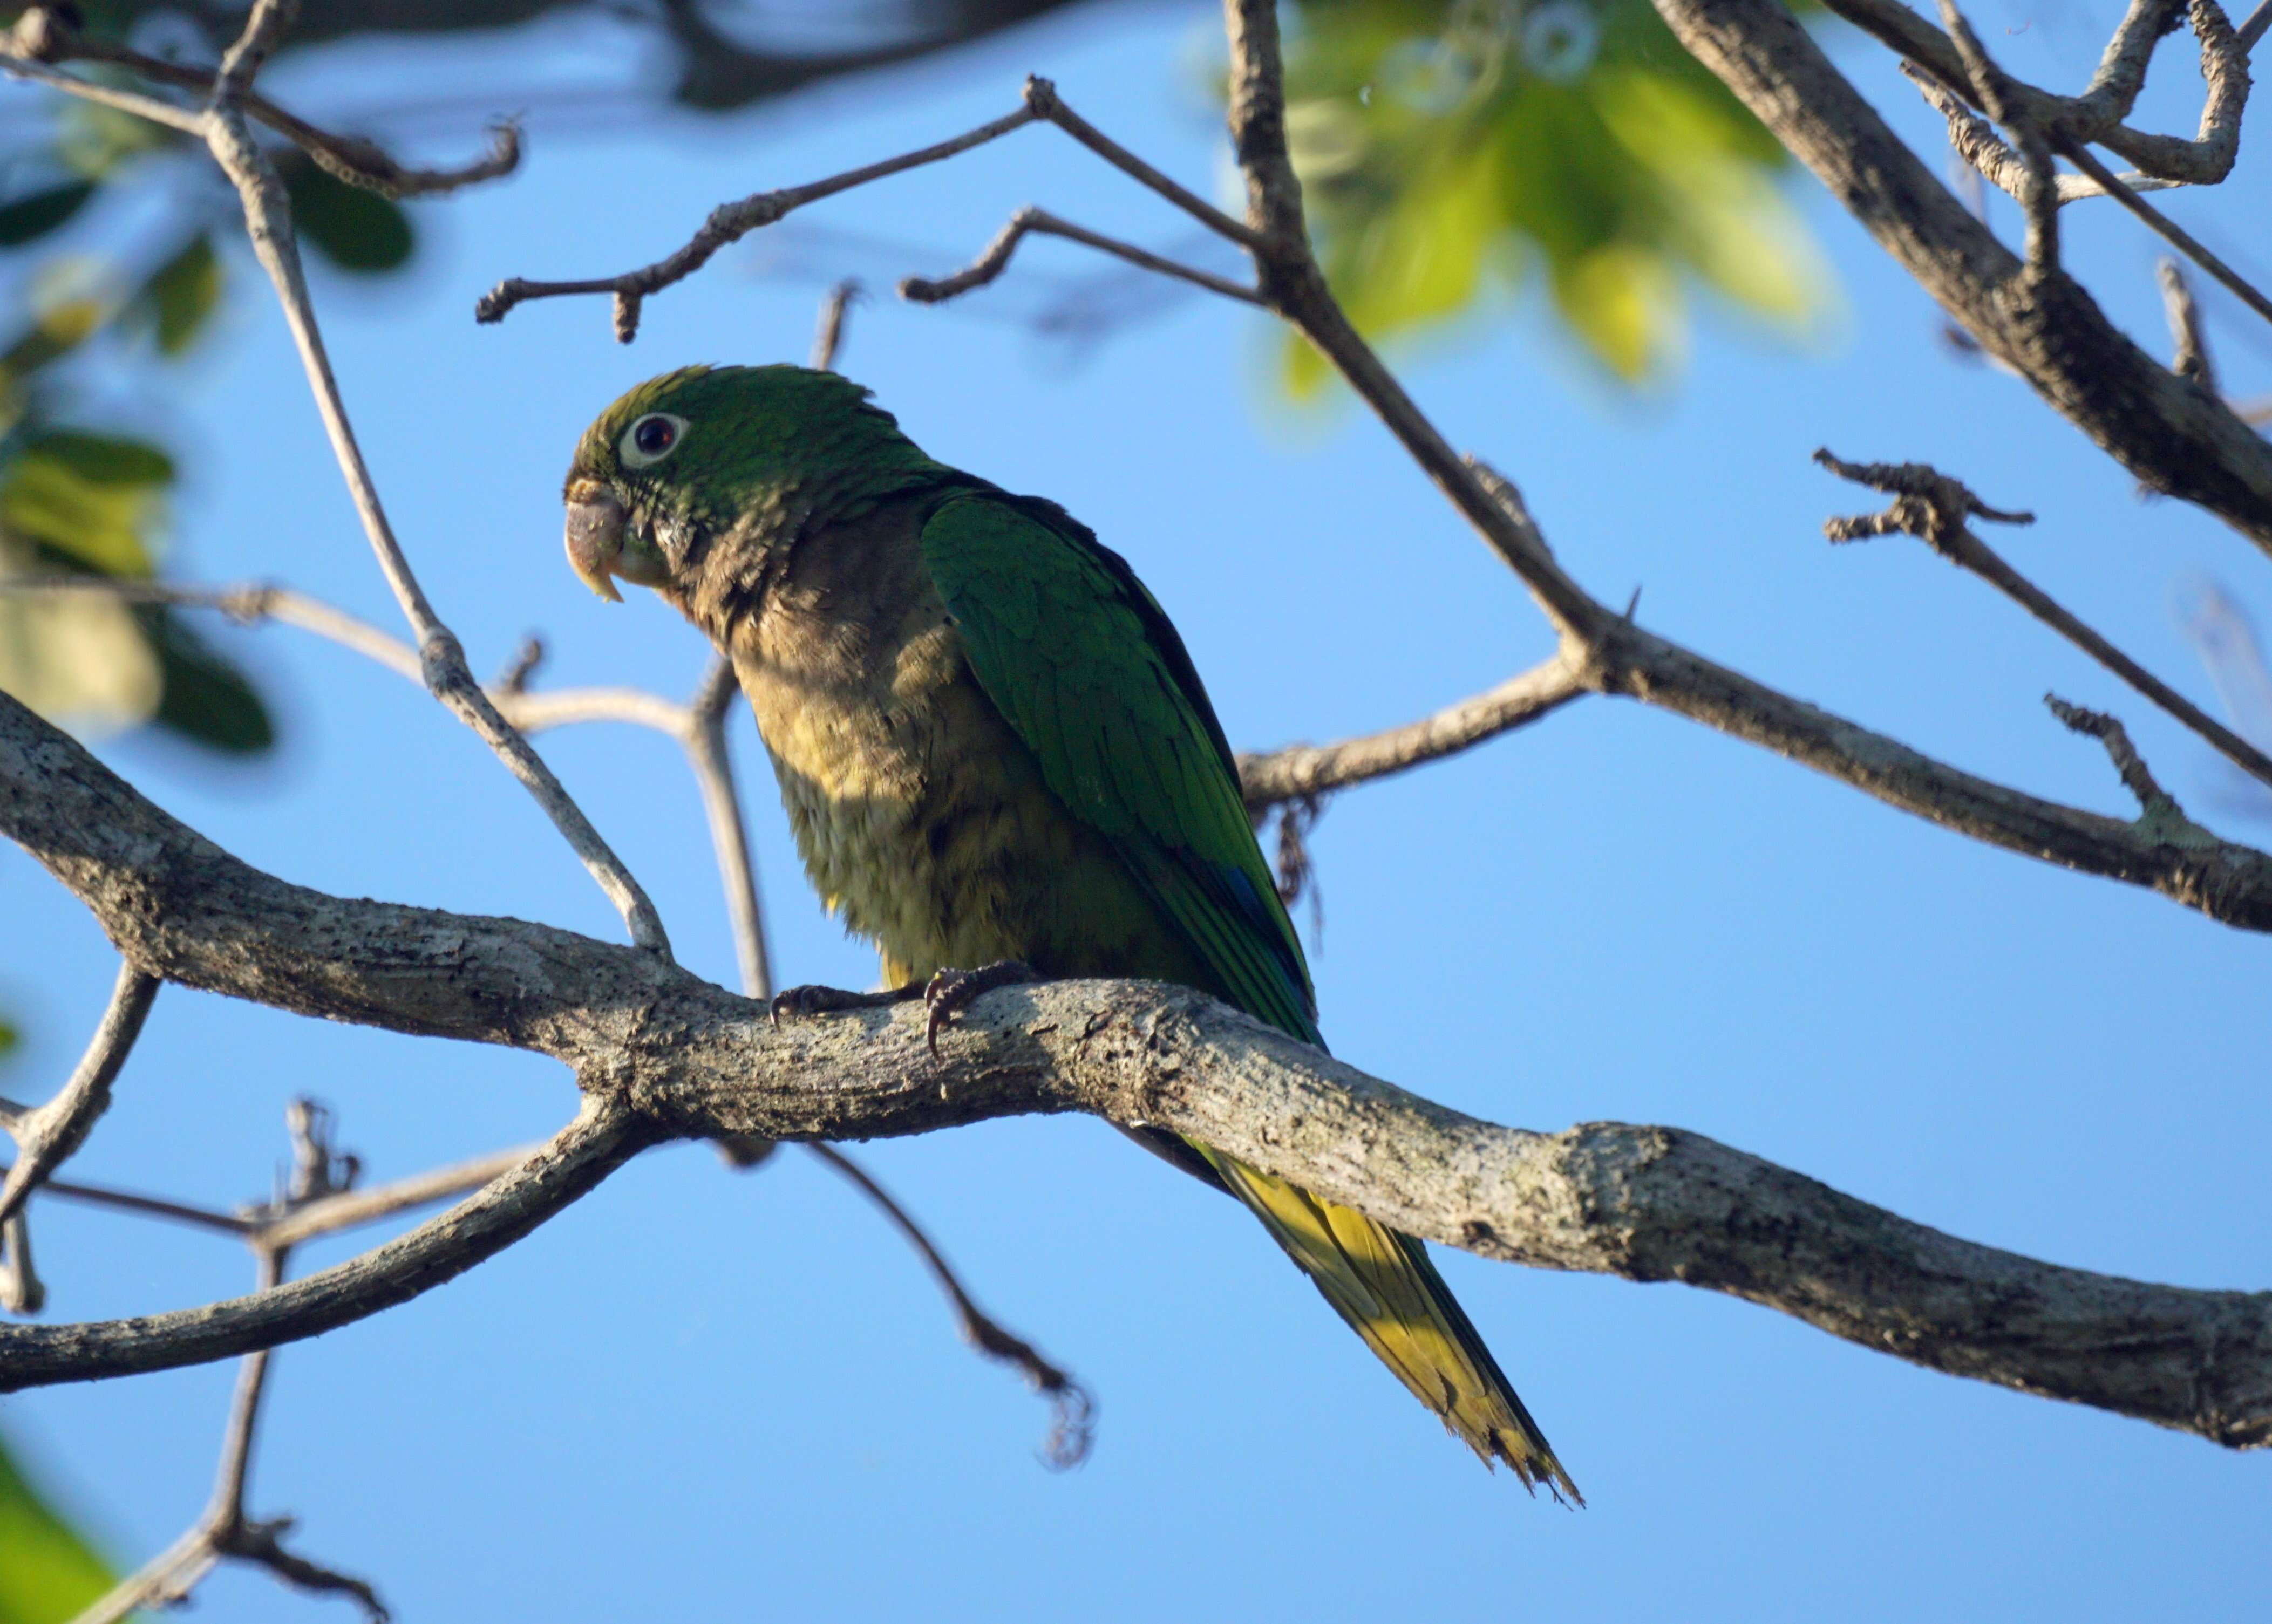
[(595, 537)]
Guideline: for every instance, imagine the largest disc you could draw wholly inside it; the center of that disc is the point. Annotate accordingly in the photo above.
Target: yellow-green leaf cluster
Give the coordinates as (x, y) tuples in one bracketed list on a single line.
[(1449, 148)]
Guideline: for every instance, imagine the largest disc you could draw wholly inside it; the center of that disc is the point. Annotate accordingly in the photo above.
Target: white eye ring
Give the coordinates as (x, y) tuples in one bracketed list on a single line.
[(651, 439)]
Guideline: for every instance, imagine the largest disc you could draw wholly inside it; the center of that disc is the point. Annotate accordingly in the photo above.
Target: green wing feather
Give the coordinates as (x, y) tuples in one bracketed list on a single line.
[(1091, 675)]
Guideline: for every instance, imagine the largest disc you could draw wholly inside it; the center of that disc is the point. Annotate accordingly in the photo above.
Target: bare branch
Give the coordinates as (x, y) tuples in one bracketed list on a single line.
[(660, 1052), (49, 1136), (2177, 236), (1042, 101), (2160, 428), (20, 1288), (44, 35), (267, 217), (1932, 507), (704, 739), (223, 1530), (185, 119), (603, 1136), (2156, 802), (2205, 160), (2037, 187), (828, 329), (1305, 770), (729, 223), (2189, 345), (1073, 1430), (995, 258)]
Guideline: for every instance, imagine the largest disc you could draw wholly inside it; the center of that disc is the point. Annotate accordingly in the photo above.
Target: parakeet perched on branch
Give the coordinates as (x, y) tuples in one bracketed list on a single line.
[(994, 752)]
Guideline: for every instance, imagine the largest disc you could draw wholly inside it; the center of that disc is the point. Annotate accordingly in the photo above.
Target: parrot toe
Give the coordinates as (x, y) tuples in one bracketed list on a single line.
[(799, 1002), (953, 991)]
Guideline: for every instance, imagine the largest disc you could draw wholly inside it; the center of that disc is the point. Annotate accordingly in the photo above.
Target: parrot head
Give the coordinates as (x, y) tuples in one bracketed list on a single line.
[(687, 458)]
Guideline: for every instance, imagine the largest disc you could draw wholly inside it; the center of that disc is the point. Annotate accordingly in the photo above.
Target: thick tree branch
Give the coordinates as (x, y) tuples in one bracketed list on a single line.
[(2175, 437), (660, 1052)]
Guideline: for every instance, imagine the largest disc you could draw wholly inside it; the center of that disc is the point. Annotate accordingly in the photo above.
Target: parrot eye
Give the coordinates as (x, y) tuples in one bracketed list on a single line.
[(651, 439)]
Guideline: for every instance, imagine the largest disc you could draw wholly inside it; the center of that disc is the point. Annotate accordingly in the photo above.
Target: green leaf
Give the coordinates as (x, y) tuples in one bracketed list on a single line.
[(206, 699), (60, 327), (9, 1036), (1448, 148), (41, 211), (105, 459), (356, 230), (99, 523), (49, 1572), (182, 293)]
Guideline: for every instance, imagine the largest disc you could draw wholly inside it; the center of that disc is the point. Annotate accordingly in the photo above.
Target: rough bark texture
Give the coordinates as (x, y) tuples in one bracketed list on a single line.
[(2167, 430), (659, 1051)]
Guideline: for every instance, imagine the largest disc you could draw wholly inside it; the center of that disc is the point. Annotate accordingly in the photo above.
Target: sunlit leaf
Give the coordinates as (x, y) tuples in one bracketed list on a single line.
[(40, 213), (356, 230), (80, 660), (49, 1572), (102, 523), (1448, 146)]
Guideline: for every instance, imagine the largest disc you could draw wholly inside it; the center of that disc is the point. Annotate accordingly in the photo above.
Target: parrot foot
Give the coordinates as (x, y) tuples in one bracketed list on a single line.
[(953, 991), (800, 1002)]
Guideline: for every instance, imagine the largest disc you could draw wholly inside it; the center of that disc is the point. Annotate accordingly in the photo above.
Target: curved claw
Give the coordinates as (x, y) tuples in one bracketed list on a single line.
[(951, 992)]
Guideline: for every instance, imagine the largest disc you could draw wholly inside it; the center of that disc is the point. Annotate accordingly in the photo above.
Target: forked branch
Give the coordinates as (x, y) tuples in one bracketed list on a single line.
[(661, 1053)]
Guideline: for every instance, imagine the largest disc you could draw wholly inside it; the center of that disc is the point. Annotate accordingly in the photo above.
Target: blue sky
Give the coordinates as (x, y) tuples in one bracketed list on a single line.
[(699, 1393)]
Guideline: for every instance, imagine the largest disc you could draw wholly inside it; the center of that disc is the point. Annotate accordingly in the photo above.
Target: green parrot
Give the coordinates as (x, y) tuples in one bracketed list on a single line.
[(997, 763)]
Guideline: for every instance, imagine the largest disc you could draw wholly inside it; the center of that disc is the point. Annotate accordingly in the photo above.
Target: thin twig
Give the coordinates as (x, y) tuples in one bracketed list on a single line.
[(2188, 343), (44, 35), (1074, 1428), (994, 259), (604, 1134), (729, 223), (1302, 771), (47, 1138), (2156, 803), (2177, 236), (267, 217), (704, 739), (828, 329), (188, 120), (2037, 185), (1932, 507), (2205, 160), (223, 1530)]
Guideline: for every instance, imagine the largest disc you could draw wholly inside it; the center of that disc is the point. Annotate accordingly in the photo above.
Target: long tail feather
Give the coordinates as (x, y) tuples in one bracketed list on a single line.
[(1382, 1283)]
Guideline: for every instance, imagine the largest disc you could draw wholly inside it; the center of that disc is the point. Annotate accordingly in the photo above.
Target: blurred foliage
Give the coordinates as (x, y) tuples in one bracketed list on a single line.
[(9, 1037), (49, 1572), (81, 500), (1448, 144), (1451, 149)]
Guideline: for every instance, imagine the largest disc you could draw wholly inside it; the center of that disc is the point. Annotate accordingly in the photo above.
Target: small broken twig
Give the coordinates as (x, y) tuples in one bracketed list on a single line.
[(1074, 1428)]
